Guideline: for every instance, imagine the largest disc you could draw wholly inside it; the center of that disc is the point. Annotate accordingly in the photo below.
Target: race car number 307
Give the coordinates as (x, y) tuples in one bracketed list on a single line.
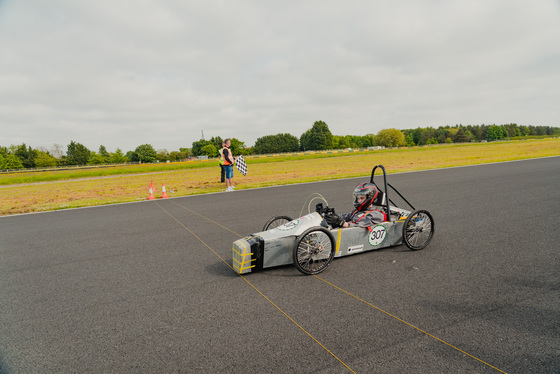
[(377, 235)]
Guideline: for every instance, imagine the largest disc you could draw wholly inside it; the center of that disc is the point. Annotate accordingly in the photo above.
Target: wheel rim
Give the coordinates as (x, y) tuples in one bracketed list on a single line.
[(275, 222), (419, 230), (278, 222), (314, 252)]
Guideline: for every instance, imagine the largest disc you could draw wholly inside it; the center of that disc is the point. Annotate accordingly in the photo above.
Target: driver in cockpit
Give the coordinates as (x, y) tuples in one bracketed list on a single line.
[(365, 213)]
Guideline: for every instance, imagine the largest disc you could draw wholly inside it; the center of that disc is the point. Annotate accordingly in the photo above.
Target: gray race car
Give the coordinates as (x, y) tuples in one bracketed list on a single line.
[(310, 244)]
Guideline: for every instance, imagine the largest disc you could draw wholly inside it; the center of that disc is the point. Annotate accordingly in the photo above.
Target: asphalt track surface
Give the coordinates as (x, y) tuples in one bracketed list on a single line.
[(143, 288)]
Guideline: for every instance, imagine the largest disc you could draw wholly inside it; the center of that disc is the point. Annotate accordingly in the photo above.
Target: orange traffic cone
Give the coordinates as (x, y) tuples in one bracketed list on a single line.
[(151, 191), (164, 194)]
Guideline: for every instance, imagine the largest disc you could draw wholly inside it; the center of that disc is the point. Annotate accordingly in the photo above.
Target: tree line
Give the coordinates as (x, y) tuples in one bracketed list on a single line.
[(470, 133), (318, 137)]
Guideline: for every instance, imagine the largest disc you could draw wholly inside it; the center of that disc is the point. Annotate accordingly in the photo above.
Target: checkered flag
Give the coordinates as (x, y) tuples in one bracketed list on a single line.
[(241, 165)]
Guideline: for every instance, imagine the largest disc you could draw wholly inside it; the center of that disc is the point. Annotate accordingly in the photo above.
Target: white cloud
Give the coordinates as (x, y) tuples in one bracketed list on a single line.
[(127, 73)]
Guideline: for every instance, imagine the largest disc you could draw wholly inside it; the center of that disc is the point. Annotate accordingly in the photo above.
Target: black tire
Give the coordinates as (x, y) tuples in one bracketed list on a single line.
[(418, 229), (275, 222), (314, 250)]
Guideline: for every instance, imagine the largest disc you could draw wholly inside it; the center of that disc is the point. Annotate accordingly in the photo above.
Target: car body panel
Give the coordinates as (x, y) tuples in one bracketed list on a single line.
[(274, 247)]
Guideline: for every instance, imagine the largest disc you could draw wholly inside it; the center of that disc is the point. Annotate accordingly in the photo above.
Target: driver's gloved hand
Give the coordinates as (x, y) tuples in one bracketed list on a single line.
[(334, 220)]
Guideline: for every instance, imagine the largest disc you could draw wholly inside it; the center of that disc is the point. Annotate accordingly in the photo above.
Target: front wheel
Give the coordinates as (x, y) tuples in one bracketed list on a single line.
[(275, 222), (418, 229), (314, 250)]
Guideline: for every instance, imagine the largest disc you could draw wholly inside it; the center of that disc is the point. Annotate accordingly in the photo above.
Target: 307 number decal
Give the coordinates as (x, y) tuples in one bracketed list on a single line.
[(377, 235)]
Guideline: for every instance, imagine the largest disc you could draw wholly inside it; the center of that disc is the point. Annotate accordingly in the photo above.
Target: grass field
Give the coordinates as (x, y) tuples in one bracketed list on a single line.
[(51, 190)]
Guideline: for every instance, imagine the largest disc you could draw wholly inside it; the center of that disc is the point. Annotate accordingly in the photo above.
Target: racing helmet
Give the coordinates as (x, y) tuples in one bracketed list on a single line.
[(364, 189)]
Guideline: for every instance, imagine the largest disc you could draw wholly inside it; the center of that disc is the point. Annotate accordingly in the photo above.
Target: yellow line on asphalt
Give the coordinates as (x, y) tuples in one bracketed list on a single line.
[(250, 284), (338, 288), (206, 218), (408, 324)]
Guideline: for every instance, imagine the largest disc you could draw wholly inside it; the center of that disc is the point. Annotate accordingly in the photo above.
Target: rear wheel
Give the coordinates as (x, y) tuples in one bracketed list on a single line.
[(314, 250), (275, 222), (418, 230)]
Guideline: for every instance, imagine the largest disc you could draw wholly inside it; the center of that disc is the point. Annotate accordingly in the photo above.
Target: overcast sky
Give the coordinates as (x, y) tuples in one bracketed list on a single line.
[(122, 73)]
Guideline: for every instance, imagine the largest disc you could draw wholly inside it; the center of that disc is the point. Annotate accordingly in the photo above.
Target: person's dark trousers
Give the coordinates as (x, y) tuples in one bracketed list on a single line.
[(223, 177)]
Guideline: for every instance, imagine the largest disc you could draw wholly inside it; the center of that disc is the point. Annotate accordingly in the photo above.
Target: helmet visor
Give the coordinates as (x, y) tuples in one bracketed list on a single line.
[(359, 199)]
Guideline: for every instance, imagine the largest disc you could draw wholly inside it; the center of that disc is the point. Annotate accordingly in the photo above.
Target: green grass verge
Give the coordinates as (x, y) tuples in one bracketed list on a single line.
[(40, 191)]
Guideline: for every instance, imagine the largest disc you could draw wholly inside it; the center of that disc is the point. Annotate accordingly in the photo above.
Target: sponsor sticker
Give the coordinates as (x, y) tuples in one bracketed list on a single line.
[(377, 235), (289, 225), (355, 248)]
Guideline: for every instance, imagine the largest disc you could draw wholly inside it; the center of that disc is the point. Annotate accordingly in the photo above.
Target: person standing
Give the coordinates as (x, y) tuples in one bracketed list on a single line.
[(228, 165), (221, 161)]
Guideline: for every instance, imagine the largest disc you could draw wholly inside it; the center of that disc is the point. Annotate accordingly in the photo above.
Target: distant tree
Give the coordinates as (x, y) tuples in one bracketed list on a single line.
[(409, 141), (217, 141), (422, 135), (351, 141), (468, 133), (176, 156), (368, 140), (209, 150), (118, 157), (77, 154), (96, 159), (103, 152), (186, 152), (461, 136), (26, 155), (132, 156), (57, 151), (362, 141), (146, 153), (237, 147), (99, 158), (390, 138), (10, 161), (494, 133), (197, 147), (511, 129), (319, 137), (448, 133), (416, 136), (339, 142), (279, 143), (162, 155), (441, 135), (44, 159)]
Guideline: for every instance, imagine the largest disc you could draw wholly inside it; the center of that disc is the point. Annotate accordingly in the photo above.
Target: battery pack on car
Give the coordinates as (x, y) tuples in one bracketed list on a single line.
[(248, 254)]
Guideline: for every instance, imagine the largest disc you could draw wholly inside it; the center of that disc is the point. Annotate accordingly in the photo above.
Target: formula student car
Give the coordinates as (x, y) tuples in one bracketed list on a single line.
[(310, 244)]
